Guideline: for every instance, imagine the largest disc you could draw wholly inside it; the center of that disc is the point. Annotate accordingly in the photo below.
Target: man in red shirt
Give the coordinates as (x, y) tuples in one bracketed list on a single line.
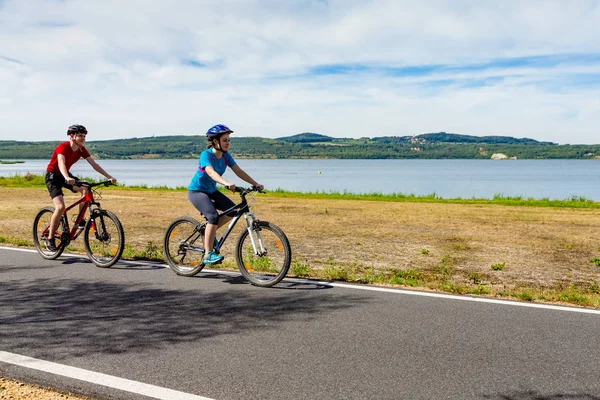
[(58, 176)]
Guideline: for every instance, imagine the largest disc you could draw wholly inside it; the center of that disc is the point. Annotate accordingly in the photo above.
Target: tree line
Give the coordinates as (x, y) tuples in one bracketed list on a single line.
[(311, 145)]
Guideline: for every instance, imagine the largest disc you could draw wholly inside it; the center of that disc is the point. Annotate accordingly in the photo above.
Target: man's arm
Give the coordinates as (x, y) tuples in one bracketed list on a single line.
[(62, 166), (99, 169)]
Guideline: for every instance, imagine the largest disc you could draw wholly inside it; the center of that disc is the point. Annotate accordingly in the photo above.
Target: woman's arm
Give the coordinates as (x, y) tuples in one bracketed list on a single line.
[(99, 169), (243, 175), (218, 178)]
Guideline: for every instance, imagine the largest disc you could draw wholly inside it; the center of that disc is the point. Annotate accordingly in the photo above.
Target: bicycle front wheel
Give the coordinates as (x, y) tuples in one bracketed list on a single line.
[(103, 238), (184, 246), (266, 261), (41, 226)]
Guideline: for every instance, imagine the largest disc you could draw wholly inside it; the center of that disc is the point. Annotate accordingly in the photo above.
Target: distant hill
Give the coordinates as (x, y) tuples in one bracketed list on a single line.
[(443, 137), (439, 137), (307, 137)]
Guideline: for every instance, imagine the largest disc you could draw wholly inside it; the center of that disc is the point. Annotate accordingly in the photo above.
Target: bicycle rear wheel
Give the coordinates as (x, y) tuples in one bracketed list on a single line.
[(41, 226), (103, 238), (184, 246), (270, 263)]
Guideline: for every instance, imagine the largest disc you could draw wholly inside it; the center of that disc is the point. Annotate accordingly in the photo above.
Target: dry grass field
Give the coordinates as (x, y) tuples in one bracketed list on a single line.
[(528, 253), (16, 390)]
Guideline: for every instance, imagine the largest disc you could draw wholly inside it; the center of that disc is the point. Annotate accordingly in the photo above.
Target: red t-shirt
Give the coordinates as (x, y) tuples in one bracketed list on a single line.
[(71, 156)]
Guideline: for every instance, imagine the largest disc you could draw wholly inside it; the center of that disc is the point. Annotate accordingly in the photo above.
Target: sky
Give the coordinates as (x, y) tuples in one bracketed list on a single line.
[(270, 68)]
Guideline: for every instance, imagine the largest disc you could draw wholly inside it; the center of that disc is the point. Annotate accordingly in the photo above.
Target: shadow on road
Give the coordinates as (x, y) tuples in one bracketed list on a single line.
[(130, 265), (535, 395), (80, 318), (231, 279)]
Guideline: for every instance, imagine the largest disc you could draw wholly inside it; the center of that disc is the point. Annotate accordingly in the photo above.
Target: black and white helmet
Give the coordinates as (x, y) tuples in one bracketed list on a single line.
[(74, 129)]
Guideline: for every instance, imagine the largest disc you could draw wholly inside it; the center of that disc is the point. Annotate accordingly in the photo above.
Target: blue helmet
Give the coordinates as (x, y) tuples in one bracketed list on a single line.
[(218, 130)]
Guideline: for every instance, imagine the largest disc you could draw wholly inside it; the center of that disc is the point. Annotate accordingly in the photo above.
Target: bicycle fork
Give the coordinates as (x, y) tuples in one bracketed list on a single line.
[(253, 228), (97, 222)]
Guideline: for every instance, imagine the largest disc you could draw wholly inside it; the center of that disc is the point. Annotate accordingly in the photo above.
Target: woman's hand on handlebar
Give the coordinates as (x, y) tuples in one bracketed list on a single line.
[(259, 187), (113, 180), (230, 186)]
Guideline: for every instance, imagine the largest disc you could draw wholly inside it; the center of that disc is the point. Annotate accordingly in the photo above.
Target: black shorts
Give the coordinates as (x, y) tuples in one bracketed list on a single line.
[(209, 203), (55, 182)]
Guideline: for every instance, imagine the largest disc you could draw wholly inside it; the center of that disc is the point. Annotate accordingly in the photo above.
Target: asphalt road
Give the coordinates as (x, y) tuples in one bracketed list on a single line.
[(216, 336)]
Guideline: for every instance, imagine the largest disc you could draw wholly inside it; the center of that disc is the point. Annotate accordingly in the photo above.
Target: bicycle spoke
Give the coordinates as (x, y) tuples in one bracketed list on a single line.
[(104, 239), (184, 246), (41, 226), (265, 260)]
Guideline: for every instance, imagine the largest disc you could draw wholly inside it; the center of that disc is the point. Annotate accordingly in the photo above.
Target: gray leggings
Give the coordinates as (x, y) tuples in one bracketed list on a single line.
[(209, 203)]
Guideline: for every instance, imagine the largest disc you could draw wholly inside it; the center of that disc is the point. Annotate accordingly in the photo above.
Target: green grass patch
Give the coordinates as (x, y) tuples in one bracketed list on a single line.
[(498, 266), (26, 180), (410, 277), (371, 275), (451, 287), (12, 162), (300, 269), (151, 252), (336, 273), (480, 289), (15, 241), (525, 295), (573, 296), (475, 277), (595, 261), (571, 202), (33, 180)]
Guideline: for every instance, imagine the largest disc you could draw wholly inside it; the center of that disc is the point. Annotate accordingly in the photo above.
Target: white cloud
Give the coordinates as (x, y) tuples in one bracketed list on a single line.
[(140, 68)]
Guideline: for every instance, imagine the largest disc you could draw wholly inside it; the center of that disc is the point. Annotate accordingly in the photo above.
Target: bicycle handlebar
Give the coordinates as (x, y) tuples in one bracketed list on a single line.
[(91, 185), (243, 190)]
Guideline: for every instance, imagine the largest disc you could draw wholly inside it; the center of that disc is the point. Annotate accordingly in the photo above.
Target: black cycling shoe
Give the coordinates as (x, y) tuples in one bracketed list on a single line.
[(51, 245)]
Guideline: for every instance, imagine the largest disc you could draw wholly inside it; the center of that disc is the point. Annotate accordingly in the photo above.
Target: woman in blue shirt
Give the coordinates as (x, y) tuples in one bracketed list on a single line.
[(203, 193)]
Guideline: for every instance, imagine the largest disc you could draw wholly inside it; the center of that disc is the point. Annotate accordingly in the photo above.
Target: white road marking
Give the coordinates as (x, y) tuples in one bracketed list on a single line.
[(468, 298), (97, 378), (169, 394)]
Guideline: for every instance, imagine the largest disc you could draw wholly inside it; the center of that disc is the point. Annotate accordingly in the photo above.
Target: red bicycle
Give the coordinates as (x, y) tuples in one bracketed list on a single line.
[(103, 235)]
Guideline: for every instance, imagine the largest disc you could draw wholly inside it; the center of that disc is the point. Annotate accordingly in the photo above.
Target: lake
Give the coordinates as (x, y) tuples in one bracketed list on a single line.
[(554, 179)]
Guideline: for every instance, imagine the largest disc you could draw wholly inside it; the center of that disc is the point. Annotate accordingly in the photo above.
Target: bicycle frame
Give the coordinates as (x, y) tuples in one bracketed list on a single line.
[(88, 202), (242, 209)]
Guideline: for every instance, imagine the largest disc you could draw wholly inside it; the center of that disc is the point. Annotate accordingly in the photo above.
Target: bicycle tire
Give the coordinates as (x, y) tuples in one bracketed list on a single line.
[(184, 246), (41, 224), (268, 269), (104, 238)]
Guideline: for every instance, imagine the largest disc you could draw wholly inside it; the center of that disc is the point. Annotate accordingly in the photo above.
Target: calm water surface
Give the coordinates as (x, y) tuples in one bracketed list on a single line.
[(554, 179)]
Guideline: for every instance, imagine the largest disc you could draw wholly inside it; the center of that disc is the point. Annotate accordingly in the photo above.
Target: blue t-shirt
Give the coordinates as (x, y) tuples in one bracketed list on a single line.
[(201, 182)]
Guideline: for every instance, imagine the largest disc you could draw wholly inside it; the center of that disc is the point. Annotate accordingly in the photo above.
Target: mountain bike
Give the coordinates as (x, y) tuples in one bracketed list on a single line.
[(103, 236), (263, 252)]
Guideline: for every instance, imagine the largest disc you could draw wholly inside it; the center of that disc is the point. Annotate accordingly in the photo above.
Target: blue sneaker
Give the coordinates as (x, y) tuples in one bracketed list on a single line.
[(212, 258), (215, 243)]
